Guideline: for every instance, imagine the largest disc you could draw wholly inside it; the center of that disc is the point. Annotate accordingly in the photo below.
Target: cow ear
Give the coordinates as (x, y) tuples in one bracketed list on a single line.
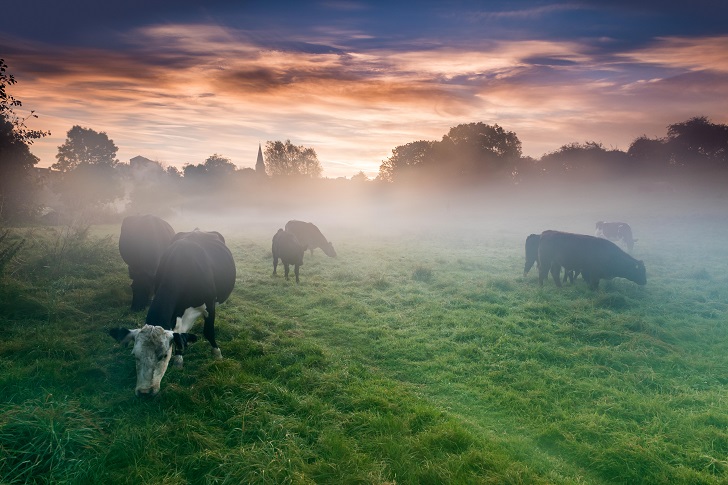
[(182, 339), (123, 335)]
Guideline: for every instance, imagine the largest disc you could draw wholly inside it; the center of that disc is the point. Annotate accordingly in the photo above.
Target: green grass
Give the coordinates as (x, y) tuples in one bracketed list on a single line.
[(423, 357)]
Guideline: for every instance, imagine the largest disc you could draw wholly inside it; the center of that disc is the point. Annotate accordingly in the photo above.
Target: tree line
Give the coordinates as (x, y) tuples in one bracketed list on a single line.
[(88, 175)]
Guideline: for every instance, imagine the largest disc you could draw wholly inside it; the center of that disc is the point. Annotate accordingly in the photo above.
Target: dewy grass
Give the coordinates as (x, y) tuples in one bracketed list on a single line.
[(367, 373)]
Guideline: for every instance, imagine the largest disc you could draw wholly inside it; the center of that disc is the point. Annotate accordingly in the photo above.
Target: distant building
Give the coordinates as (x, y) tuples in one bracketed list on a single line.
[(140, 162), (260, 164)]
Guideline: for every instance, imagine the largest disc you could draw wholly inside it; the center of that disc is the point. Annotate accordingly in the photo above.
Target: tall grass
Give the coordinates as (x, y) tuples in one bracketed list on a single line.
[(417, 358)]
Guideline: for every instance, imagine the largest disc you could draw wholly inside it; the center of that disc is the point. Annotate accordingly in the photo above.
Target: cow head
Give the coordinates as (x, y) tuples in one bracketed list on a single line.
[(153, 348), (328, 249)]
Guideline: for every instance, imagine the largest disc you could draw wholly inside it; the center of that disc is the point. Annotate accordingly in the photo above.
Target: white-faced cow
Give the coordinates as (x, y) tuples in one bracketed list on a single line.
[(290, 251), (595, 257), (310, 236), (142, 241), (616, 231), (196, 272)]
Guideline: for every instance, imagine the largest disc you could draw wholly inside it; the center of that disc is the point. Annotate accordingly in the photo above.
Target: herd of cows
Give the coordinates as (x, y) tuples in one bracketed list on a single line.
[(188, 274), (185, 275)]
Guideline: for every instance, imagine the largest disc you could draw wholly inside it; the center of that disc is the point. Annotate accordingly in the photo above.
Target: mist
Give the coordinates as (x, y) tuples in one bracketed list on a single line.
[(345, 210)]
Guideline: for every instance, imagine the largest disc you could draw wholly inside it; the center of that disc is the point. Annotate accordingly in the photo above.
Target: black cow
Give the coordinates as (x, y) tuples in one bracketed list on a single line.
[(532, 243), (142, 241), (616, 231), (195, 273), (310, 237), (288, 248), (595, 257)]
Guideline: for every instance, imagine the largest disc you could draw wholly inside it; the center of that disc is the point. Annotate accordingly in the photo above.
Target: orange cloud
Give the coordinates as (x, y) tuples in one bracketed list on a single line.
[(184, 92)]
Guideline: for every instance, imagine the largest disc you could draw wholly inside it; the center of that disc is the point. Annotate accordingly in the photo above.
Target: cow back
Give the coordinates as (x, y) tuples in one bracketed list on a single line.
[(142, 241), (310, 236), (221, 259)]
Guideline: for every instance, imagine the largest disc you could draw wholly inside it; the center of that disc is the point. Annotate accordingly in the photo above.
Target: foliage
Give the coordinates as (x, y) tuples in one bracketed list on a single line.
[(215, 166), (693, 145), (698, 142), (8, 103), (8, 248), (360, 177), (482, 150), (87, 188), (287, 159), (17, 188), (468, 153), (590, 160), (408, 161), (84, 146)]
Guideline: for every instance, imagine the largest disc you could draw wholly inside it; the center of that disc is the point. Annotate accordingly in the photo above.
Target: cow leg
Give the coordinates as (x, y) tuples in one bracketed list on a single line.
[(209, 331), (285, 267), (543, 274), (275, 263), (556, 274), (593, 282), (295, 270)]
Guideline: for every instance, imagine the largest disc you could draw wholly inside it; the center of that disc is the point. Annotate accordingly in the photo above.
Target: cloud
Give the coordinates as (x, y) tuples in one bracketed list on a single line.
[(178, 93), (701, 53)]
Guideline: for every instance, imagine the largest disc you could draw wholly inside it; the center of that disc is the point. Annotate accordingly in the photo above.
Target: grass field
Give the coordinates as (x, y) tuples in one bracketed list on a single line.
[(419, 355)]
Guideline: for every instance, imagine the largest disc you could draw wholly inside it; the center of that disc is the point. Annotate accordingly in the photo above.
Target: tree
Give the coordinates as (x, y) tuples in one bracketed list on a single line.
[(17, 187), (698, 143), (408, 161), (220, 166), (651, 155), (84, 145), (288, 159), (86, 189), (587, 160), (477, 150), (360, 177), (7, 110)]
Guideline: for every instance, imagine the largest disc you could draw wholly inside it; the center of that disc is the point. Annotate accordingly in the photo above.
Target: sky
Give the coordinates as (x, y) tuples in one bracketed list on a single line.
[(177, 81)]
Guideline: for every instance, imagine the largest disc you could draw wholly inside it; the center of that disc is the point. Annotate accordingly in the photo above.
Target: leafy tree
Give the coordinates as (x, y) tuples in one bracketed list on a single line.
[(481, 151), (84, 145), (360, 177), (215, 165), (698, 143), (651, 155), (7, 111), (407, 161), (86, 189), (17, 187), (288, 159), (585, 161), (468, 152)]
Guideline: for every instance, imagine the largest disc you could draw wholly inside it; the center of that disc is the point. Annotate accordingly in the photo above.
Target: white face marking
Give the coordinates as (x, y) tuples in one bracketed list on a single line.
[(185, 322), (152, 350)]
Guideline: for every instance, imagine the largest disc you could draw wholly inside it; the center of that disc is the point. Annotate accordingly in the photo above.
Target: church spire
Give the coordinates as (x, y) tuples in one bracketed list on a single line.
[(260, 164)]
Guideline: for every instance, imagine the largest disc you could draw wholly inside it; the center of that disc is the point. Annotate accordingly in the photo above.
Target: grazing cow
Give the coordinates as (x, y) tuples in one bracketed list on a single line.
[(287, 247), (196, 273), (616, 231), (595, 257), (532, 243), (531, 252), (142, 241), (310, 236)]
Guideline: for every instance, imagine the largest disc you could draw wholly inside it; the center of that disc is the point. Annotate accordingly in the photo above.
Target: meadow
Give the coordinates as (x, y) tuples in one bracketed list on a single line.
[(419, 355)]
